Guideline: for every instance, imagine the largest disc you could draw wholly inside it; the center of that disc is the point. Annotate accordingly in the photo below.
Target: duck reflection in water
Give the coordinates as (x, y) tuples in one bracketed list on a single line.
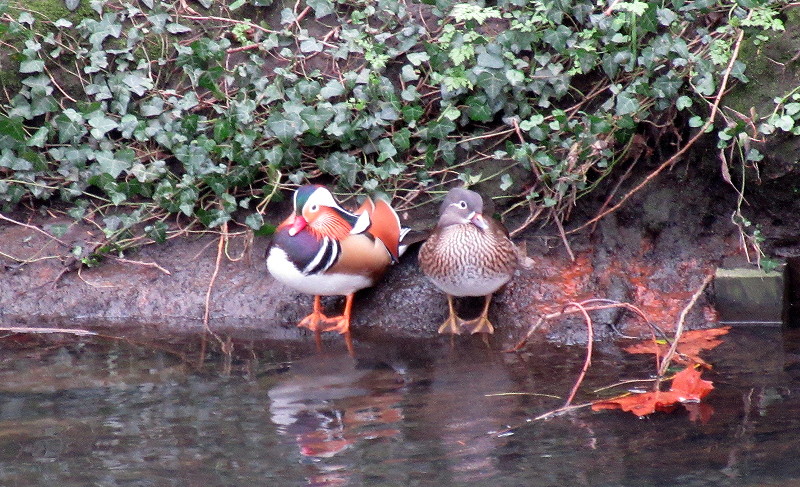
[(330, 404), (336, 409)]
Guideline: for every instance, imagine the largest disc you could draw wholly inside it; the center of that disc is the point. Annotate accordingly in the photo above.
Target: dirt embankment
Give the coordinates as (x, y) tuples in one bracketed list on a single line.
[(653, 253)]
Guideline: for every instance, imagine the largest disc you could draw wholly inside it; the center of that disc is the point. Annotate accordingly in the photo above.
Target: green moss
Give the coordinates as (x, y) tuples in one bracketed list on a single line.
[(51, 10)]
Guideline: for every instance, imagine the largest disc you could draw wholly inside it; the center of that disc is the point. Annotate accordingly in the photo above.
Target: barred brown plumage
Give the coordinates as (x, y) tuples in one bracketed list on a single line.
[(468, 255)]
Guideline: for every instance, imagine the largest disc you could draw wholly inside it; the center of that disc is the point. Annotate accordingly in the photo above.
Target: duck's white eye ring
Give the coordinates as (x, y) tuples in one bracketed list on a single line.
[(462, 204)]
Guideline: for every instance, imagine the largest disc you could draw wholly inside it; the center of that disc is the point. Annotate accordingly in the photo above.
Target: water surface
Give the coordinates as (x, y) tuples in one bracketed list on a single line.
[(97, 411)]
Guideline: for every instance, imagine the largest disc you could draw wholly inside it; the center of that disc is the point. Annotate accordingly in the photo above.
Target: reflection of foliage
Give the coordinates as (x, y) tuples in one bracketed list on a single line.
[(132, 113)]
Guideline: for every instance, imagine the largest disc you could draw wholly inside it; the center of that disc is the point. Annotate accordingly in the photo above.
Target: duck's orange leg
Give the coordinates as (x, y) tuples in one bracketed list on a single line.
[(453, 323), (342, 323), (481, 324), (313, 321)]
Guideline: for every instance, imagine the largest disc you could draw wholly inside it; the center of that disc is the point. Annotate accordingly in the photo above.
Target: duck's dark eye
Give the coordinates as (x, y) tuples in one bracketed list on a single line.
[(314, 207), (462, 204)]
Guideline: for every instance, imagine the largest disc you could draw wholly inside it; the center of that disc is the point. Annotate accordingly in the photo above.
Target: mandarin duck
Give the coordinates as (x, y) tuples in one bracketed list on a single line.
[(468, 255), (322, 249)]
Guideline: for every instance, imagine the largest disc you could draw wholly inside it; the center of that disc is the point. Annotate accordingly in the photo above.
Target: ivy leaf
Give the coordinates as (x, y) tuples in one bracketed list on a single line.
[(39, 138), (490, 60), (417, 58), (341, 164), (402, 139), (451, 113), (492, 83), (321, 8), (25, 18), (407, 73), (111, 164), (478, 110), (101, 124), (138, 83), (506, 182), (386, 150), (667, 86), (791, 109), (412, 113), (626, 104), (254, 221), (175, 28), (683, 102), (31, 66), (283, 127), (332, 89), (666, 16), (11, 128), (316, 119), (310, 45), (440, 129), (212, 218), (785, 123), (696, 121)]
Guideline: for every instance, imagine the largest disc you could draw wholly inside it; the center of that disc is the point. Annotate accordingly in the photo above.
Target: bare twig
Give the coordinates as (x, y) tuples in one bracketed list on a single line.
[(232, 21), (146, 264), (665, 362), (564, 239), (589, 346), (220, 252), (580, 307), (34, 228), (27, 329), (501, 394)]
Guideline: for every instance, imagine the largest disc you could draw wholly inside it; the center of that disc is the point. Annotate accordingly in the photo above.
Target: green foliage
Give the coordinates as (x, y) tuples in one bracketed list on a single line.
[(137, 111)]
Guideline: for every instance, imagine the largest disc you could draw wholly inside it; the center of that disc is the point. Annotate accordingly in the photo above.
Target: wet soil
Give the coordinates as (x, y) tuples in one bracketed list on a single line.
[(653, 252)]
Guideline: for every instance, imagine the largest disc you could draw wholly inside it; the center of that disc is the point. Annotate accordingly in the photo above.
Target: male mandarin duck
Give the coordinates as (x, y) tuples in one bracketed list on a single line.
[(323, 249), (468, 255)]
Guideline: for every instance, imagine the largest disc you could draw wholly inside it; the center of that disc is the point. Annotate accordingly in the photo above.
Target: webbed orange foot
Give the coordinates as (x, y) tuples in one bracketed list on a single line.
[(313, 321), (480, 324), (341, 324), (453, 323)]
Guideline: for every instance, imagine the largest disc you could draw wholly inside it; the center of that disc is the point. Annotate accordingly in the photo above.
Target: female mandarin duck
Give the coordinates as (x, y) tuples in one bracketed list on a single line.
[(323, 249), (468, 255)]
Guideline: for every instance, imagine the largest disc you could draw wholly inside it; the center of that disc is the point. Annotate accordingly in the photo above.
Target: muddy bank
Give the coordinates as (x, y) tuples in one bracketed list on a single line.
[(654, 253)]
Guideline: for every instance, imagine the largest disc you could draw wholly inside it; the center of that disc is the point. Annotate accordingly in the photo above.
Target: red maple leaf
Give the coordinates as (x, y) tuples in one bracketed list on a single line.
[(690, 345), (687, 387)]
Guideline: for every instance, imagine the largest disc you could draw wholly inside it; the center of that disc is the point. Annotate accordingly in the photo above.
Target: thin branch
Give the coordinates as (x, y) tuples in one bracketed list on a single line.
[(146, 264), (34, 228), (609, 304), (27, 329), (220, 252), (564, 239), (665, 362), (589, 346)]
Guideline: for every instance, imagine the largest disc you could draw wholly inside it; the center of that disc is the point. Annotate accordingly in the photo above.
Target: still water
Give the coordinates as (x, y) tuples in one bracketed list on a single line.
[(107, 412)]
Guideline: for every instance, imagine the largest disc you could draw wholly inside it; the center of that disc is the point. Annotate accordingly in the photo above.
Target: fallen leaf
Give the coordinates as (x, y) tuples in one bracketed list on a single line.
[(690, 345), (640, 404), (687, 387)]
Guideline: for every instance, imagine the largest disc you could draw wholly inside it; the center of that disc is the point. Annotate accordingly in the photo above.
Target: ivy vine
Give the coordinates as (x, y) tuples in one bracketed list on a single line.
[(127, 114)]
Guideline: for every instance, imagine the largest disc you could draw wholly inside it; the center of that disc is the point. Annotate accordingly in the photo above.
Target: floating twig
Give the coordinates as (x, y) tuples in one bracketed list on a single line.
[(29, 329)]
